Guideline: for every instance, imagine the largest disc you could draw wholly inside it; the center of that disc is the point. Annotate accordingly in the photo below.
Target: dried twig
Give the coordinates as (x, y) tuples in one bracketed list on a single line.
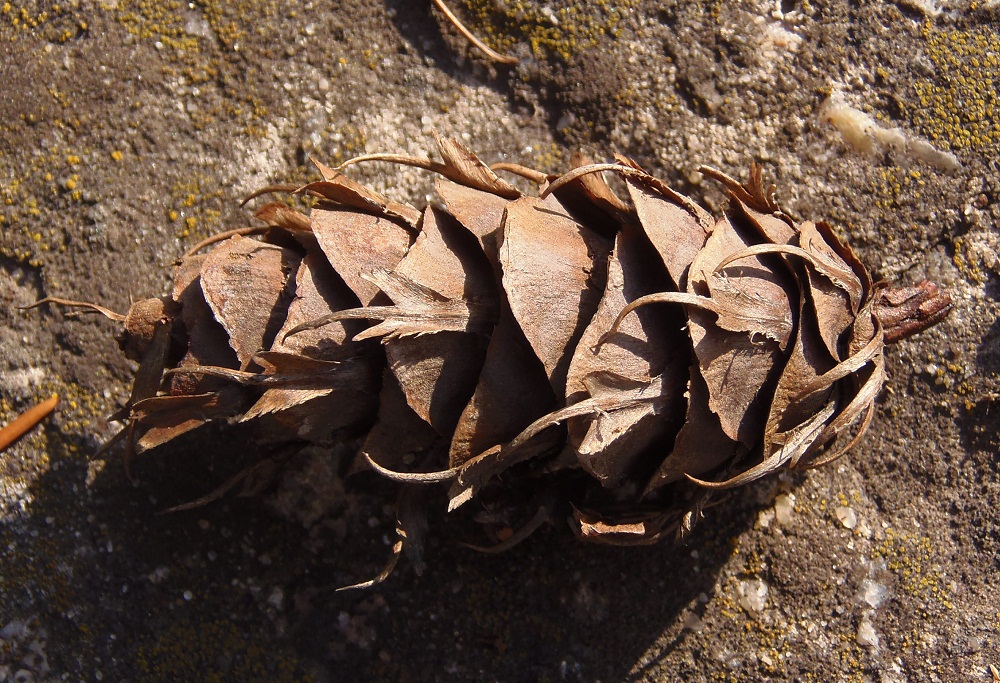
[(26, 421), (471, 37)]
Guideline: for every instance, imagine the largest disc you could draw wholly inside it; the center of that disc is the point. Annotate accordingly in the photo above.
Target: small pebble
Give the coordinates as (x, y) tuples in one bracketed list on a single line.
[(874, 593), (752, 595), (867, 636), (784, 506), (847, 516)]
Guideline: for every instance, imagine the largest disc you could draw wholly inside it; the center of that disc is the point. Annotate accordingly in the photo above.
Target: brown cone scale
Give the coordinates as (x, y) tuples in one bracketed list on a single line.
[(521, 342)]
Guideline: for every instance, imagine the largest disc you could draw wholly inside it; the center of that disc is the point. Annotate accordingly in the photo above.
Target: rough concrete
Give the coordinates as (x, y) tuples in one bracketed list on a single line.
[(130, 129)]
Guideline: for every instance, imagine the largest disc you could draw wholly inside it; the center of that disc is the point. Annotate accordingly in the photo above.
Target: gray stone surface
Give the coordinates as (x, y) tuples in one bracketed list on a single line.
[(131, 129)]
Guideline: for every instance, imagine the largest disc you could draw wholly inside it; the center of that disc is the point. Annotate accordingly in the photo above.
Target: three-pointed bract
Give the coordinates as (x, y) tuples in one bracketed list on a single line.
[(571, 347)]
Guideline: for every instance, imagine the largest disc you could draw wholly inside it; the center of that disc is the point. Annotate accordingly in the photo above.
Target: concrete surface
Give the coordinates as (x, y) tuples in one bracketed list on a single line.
[(130, 129)]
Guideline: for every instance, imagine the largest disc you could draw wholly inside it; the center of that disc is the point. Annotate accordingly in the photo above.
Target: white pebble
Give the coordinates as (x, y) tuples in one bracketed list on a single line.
[(874, 593), (784, 506), (276, 599), (847, 516), (752, 595), (158, 575), (867, 636), (692, 622)]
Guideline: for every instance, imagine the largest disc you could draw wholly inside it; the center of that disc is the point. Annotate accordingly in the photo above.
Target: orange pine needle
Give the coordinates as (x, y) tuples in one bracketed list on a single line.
[(24, 422)]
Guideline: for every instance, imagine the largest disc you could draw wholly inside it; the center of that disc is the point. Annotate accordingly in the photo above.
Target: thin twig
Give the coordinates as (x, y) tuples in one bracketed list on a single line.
[(490, 52), (242, 232), (531, 174), (27, 420), (107, 313)]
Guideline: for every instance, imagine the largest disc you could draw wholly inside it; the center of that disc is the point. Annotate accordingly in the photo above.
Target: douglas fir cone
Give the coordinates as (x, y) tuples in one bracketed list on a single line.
[(568, 354)]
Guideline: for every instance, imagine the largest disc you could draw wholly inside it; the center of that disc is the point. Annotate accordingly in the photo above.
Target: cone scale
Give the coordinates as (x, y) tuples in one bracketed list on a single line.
[(623, 359)]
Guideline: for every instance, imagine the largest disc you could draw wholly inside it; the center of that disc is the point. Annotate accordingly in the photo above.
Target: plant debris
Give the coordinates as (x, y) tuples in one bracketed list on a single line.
[(26, 421), (568, 355), (471, 37)]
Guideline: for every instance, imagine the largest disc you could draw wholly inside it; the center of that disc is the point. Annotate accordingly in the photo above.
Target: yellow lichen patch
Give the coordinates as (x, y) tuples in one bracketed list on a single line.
[(770, 641), (549, 158), (191, 651), (894, 187), (33, 562), (958, 104), (231, 21), (79, 408), (561, 28), (159, 21), (21, 256), (48, 444), (851, 657), (35, 18), (195, 206), (970, 260), (913, 560), (348, 141)]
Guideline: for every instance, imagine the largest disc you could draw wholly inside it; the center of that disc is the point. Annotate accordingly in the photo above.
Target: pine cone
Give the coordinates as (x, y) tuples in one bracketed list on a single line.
[(532, 351)]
